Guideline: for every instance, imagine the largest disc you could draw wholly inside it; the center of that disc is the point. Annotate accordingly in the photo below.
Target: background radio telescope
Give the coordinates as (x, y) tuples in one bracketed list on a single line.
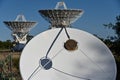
[(20, 29), (65, 53), (61, 16)]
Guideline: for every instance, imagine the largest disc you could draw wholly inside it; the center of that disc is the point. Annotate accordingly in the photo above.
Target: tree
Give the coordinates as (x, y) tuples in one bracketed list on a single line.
[(116, 28), (114, 43)]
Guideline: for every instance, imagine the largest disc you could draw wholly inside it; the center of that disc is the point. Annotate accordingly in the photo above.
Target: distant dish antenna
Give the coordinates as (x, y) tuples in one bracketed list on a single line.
[(61, 16), (65, 53), (20, 29)]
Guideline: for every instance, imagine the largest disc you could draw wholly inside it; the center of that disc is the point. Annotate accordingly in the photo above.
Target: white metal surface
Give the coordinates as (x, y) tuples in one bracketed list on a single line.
[(91, 61)]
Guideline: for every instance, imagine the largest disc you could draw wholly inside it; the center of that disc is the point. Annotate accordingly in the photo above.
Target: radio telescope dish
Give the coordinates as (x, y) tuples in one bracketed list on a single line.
[(61, 16), (51, 57), (20, 28)]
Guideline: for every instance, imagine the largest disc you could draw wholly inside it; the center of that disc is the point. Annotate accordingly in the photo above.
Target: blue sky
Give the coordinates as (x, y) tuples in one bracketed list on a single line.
[(96, 13)]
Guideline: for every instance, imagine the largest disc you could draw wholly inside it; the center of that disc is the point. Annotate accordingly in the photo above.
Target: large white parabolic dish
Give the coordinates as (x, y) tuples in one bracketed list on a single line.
[(91, 61)]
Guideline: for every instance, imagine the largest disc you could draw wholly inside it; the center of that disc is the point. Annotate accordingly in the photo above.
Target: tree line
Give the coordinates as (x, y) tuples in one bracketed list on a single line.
[(8, 44), (5, 45)]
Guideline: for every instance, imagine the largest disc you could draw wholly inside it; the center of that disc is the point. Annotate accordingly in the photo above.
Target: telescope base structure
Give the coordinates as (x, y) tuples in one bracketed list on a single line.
[(18, 47), (20, 38)]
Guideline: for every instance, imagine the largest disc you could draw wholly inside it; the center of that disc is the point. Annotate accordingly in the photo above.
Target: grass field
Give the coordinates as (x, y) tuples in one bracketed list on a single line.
[(9, 65)]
